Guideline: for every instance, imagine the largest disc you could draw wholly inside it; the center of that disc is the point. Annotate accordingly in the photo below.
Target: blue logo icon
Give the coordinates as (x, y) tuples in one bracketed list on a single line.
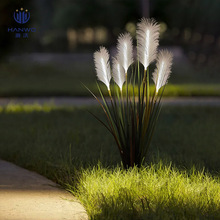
[(21, 16)]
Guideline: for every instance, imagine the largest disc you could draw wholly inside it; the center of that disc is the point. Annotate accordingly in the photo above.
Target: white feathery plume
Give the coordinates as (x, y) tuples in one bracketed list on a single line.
[(118, 73), (125, 51), (147, 41), (163, 69), (102, 66)]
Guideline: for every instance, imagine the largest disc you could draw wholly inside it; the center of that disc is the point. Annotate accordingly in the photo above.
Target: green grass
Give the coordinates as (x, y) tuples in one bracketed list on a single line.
[(154, 192), (192, 90), (66, 145), (64, 80), (43, 80)]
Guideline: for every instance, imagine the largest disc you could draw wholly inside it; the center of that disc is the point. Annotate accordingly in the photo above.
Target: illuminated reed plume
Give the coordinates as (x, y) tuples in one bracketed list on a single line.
[(147, 41), (131, 116), (163, 69), (118, 73), (125, 51), (101, 59)]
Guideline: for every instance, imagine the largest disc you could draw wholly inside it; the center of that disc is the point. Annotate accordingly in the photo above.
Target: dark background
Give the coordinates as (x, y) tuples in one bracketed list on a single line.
[(75, 25), (189, 28)]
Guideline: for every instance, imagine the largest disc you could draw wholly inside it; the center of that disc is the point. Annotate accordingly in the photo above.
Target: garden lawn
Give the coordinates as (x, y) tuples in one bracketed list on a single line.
[(69, 146), (65, 80)]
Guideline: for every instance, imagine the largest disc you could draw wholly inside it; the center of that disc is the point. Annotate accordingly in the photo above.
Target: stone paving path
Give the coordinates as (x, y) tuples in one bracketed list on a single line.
[(26, 195), (83, 101)]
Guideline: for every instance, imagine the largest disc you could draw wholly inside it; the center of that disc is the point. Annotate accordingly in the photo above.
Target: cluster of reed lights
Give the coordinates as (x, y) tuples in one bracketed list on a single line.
[(132, 114)]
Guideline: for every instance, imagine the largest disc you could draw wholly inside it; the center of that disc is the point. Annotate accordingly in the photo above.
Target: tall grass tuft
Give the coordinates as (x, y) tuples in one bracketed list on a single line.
[(131, 118), (158, 191)]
